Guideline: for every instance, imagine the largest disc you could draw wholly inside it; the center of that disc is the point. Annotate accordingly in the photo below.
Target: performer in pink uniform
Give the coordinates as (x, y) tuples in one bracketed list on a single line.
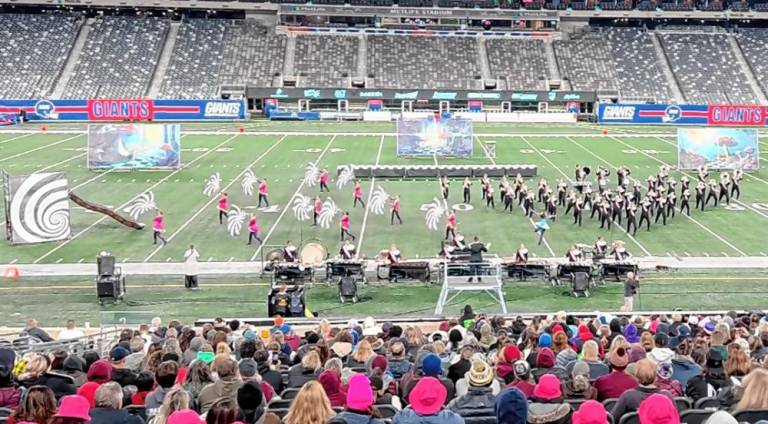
[(450, 225), (158, 225), (358, 193), (345, 227), (253, 228), (318, 208), (395, 211), (263, 193), (223, 207), (324, 178)]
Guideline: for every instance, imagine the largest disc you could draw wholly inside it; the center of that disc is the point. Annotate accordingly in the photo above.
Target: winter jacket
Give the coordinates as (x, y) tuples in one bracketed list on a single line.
[(683, 369), (524, 386), (399, 367), (62, 385), (660, 354), (409, 416), (700, 387), (274, 378), (478, 402), (579, 389), (113, 416), (351, 417), (10, 397), (672, 386), (630, 400), (123, 377), (215, 391), (556, 412), (298, 376), (457, 371), (613, 385)]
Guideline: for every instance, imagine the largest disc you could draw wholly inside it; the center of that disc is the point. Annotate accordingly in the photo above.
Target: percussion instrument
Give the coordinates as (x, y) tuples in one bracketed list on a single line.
[(567, 268), (313, 254), (618, 269), (409, 270), (535, 267), (344, 267), (275, 255), (291, 272)]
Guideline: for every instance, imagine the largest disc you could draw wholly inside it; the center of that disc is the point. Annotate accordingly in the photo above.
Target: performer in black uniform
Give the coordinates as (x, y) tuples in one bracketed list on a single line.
[(631, 221), (701, 190), (489, 197), (562, 188), (577, 211), (671, 204), (485, 182), (542, 189), (616, 208), (600, 248), (289, 252), (467, 185), (712, 194), (509, 198), (738, 174), (661, 209), (684, 206), (444, 185), (528, 205), (521, 256), (645, 214), (605, 214), (725, 182)]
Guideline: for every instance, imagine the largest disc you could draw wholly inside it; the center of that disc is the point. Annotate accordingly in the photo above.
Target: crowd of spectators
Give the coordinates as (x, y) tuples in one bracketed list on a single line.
[(557, 369)]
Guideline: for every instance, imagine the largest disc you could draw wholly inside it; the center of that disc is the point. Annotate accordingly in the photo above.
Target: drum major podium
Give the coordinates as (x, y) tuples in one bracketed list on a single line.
[(485, 277)]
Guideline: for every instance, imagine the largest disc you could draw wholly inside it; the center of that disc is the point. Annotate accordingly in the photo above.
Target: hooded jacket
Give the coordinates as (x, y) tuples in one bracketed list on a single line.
[(10, 397), (683, 369), (215, 391), (478, 401), (660, 354), (298, 376), (409, 416), (62, 385)]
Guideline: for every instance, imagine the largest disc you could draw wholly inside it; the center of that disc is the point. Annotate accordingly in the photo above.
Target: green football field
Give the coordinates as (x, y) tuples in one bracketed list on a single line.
[(281, 151)]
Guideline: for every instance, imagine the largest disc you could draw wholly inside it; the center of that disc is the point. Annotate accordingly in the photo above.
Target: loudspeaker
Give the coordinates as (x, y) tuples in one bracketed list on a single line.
[(106, 266), (580, 284), (348, 289), (110, 288)]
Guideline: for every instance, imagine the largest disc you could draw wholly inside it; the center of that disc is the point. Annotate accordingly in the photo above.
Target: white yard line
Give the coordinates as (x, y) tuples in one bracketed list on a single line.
[(704, 227), (568, 178), (61, 163), (88, 228), (288, 203), (745, 205), (45, 146), (493, 162), (216, 198), (15, 138), (368, 203)]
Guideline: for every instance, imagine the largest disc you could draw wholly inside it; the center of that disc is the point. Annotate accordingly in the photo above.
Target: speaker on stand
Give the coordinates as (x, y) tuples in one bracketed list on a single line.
[(110, 283)]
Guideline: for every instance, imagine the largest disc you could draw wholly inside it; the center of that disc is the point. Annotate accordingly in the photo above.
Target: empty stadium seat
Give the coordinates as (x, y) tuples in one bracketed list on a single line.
[(707, 403), (637, 69), (325, 60), (695, 416), (586, 61), (753, 43), (630, 418), (521, 64), (751, 415)]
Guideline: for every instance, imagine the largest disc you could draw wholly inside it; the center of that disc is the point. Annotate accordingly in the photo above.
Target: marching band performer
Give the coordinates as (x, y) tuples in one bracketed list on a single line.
[(347, 250), (263, 193), (223, 207), (712, 193), (703, 174), (467, 184), (738, 175), (458, 242), (357, 193), (521, 255), (684, 206), (503, 187), (528, 205), (395, 213), (701, 190), (661, 209), (574, 254), (605, 214), (623, 174), (725, 182), (450, 225), (619, 252), (316, 212), (601, 248), (508, 196), (393, 255), (324, 177), (158, 228), (602, 179), (485, 182), (645, 213), (344, 224), (562, 189), (444, 186), (489, 197), (542, 189), (551, 207), (631, 221), (578, 211), (671, 203), (289, 252), (253, 229)]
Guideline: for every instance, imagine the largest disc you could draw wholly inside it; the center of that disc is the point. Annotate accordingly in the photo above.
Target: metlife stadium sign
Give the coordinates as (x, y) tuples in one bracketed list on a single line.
[(706, 115)]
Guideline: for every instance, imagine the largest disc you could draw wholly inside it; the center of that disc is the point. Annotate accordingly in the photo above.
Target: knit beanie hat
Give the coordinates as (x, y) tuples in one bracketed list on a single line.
[(619, 359), (512, 354), (431, 365), (658, 409), (545, 340), (511, 407), (545, 358), (359, 393), (590, 412), (548, 387), (100, 371)]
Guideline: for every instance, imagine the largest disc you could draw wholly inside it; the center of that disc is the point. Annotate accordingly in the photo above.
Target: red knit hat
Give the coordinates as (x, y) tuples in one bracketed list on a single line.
[(548, 387), (379, 361), (658, 409), (545, 358), (100, 371), (590, 412), (557, 328), (512, 354), (584, 333), (427, 396)]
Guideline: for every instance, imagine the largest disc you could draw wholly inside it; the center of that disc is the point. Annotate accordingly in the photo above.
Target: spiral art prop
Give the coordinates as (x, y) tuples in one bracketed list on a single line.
[(39, 208)]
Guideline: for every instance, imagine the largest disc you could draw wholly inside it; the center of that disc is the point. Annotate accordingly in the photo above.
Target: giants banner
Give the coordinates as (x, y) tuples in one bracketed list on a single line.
[(136, 110), (706, 115)]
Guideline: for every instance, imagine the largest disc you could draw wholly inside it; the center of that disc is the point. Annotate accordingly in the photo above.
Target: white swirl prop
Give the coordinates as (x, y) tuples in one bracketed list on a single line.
[(40, 209)]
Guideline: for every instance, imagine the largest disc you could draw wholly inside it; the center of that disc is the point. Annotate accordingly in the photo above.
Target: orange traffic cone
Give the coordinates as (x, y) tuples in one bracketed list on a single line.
[(242, 129), (44, 129), (11, 273), (605, 132)]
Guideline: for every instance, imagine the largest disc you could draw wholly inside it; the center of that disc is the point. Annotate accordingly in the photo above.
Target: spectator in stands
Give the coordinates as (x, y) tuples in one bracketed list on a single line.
[(430, 366), (547, 404), (760, 353), (268, 372), (223, 411), (755, 393), (511, 406), (590, 412), (145, 381), (398, 363), (32, 330), (615, 383), (545, 364), (75, 367), (175, 400), (198, 376), (712, 378), (224, 387), (683, 367), (657, 409), (109, 403), (630, 400), (165, 376), (36, 373), (136, 358), (737, 365), (311, 406), (460, 364), (331, 382), (589, 353), (578, 386), (382, 396), (73, 410), (363, 352), (477, 394), (426, 405), (70, 331), (38, 406), (504, 368), (359, 407), (661, 351), (120, 373), (195, 345), (664, 380), (10, 395), (522, 380), (251, 403), (307, 370)]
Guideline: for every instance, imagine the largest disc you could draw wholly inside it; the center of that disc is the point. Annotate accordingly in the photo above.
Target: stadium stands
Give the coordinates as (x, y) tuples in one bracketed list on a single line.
[(423, 62), (586, 61), (754, 42), (252, 55), (325, 61), (707, 69), (637, 69), (35, 52), (119, 58), (520, 64)]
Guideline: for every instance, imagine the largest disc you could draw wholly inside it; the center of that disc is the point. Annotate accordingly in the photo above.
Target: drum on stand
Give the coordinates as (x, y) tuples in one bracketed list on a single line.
[(313, 254)]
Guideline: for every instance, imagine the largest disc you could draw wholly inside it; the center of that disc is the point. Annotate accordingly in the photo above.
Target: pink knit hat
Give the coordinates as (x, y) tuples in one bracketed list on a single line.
[(427, 396), (359, 394), (590, 412), (185, 416), (548, 387), (658, 409)]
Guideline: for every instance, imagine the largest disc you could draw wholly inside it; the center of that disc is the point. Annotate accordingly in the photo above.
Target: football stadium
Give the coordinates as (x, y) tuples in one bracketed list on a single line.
[(389, 211)]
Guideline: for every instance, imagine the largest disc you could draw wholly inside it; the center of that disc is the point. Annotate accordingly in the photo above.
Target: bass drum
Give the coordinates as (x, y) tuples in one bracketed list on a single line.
[(313, 254)]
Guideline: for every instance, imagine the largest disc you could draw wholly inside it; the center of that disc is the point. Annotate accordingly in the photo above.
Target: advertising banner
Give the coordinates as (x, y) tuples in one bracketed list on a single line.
[(705, 115), (136, 110), (718, 148), (134, 146), (430, 137)]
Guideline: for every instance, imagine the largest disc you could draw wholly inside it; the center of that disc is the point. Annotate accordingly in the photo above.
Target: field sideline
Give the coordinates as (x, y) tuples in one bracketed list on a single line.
[(738, 230)]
